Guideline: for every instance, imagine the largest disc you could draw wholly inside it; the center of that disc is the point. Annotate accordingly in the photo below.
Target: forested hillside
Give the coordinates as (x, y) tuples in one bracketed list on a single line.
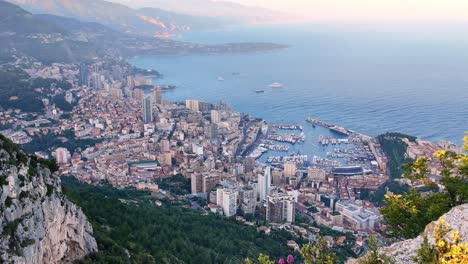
[(130, 228)]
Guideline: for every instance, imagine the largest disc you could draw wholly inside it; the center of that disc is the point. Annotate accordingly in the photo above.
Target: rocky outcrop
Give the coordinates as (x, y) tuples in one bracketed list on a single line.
[(404, 251), (37, 223)]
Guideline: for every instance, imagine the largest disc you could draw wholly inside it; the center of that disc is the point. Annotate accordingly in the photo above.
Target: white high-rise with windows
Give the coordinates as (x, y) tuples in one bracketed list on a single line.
[(280, 208), (264, 182), (227, 199), (192, 104), (215, 117)]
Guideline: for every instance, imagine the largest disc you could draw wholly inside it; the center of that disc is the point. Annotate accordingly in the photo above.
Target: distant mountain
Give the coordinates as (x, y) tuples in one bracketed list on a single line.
[(74, 25), (15, 19), (41, 37), (154, 21), (50, 38), (208, 8), (180, 22)]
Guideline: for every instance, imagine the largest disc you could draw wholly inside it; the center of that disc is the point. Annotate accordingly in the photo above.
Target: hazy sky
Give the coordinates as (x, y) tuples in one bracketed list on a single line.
[(357, 11), (437, 11)]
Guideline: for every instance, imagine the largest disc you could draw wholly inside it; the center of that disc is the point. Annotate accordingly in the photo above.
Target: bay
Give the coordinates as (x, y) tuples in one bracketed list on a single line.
[(366, 79)]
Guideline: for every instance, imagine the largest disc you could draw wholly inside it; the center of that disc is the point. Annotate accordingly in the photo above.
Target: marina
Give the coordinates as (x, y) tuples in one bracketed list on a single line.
[(283, 148), (324, 141), (287, 138)]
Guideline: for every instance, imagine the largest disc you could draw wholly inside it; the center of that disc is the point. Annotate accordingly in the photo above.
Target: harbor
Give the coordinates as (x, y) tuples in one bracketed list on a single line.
[(327, 144)]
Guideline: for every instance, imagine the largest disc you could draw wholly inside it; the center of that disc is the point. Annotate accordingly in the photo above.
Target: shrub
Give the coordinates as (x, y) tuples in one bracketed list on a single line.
[(8, 201)]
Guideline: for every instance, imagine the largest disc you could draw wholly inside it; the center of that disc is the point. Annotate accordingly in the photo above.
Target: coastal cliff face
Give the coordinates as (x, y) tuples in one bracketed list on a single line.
[(37, 223), (404, 251)]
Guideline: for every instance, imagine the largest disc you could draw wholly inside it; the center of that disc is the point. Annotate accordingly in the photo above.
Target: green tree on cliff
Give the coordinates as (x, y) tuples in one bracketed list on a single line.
[(408, 214)]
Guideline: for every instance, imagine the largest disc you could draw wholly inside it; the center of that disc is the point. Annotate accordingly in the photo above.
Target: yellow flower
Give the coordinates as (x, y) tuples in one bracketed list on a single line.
[(441, 243), (440, 154), (464, 159), (454, 236)]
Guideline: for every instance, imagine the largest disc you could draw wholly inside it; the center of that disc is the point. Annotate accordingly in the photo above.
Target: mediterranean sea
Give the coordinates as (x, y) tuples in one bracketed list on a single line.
[(367, 80)]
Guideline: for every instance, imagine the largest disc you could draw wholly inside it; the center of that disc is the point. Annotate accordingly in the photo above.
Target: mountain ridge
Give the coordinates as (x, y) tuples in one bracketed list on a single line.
[(234, 11), (50, 38), (149, 22)]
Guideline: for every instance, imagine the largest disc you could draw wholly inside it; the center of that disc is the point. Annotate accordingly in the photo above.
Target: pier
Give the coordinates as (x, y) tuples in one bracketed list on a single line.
[(337, 129)]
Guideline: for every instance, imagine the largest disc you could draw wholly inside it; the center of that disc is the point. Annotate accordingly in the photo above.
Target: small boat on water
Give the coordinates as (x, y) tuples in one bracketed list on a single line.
[(259, 91), (276, 85)]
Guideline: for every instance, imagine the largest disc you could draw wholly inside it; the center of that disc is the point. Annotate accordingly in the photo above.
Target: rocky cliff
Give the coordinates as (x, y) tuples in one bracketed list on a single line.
[(37, 223), (404, 251), (456, 219)]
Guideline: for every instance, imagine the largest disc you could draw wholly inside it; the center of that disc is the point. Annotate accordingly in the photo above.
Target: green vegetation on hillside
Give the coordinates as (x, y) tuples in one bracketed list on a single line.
[(18, 157), (66, 140), (13, 150), (408, 214), (395, 150), (134, 230), (18, 91), (15, 83), (47, 83), (178, 185), (60, 102)]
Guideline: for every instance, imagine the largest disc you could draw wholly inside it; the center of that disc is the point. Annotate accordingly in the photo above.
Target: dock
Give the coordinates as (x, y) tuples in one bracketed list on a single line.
[(337, 129)]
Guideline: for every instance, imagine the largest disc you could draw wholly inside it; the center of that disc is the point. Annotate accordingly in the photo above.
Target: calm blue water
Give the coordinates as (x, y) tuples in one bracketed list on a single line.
[(414, 82)]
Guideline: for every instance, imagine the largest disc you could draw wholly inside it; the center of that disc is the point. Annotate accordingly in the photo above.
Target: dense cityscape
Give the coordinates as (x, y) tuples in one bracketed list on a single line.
[(142, 139), (99, 165)]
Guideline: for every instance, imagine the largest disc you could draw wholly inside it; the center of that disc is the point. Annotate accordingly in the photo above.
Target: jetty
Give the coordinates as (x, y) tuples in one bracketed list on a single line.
[(334, 128)]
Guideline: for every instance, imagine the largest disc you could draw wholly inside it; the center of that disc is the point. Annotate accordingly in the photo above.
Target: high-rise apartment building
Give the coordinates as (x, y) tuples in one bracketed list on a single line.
[(147, 110), (289, 169), (227, 199), (192, 105), (157, 94), (264, 182), (196, 183), (280, 208), (83, 75), (248, 199), (215, 117)]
